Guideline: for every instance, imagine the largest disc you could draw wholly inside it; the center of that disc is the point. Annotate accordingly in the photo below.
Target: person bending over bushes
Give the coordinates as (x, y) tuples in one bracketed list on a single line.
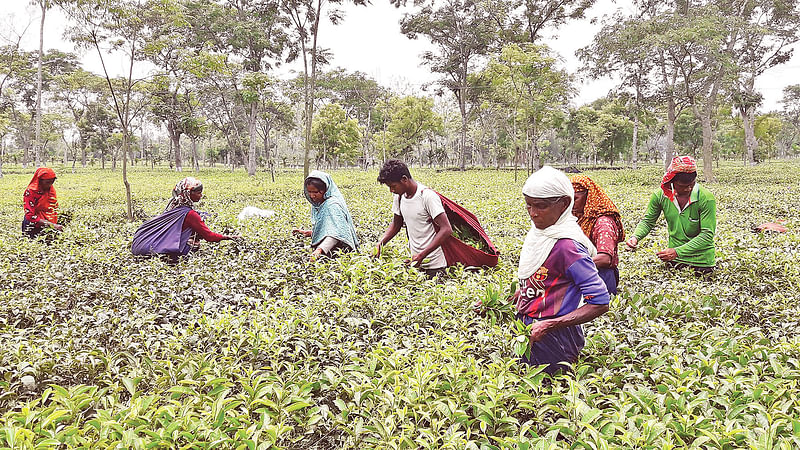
[(422, 212), (331, 224), (599, 219), (40, 203), (691, 214), (179, 228)]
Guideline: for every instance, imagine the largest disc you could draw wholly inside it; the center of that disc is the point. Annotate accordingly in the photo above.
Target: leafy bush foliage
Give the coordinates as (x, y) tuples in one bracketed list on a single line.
[(248, 345)]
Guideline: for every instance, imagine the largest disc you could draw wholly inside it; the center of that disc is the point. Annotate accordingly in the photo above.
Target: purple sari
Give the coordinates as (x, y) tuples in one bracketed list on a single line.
[(163, 234)]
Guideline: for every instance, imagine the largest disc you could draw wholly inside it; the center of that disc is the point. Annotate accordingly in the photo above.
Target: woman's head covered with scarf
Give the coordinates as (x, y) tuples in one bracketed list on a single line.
[(679, 164), (182, 193), (598, 204), (330, 216), (549, 183), (47, 205)]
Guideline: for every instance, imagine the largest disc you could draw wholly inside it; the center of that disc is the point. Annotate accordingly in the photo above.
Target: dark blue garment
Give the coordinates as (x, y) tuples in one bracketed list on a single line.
[(30, 229), (163, 234), (610, 276), (562, 345)]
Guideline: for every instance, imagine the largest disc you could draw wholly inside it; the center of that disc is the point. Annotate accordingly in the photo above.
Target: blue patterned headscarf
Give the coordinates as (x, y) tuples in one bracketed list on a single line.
[(331, 217)]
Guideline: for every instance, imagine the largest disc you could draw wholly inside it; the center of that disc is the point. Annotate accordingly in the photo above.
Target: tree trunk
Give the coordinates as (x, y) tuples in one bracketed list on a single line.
[(251, 151), (37, 145), (367, 138), (516, 148), (635, 145), (462, 106), (750, 141), (670, 137), (175, 139), (635, 138), (310, 86), (125, 144), (195, 161), (708, 161)]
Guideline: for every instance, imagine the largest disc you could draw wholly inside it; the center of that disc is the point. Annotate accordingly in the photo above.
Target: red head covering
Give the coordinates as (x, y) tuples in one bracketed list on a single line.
[(598, 204), (679, 164), (48, 203)]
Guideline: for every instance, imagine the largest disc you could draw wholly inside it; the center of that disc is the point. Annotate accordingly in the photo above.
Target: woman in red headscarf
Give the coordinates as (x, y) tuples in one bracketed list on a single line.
[(599, 219), (40, 203), (691, 214)]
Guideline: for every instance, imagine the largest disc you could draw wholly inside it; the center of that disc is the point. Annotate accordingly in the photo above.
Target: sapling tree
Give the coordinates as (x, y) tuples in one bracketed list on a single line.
[(113, 25), (526, 78)]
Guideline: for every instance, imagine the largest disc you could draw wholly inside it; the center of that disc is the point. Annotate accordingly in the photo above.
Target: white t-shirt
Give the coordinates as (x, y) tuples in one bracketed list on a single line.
[(418, 213)]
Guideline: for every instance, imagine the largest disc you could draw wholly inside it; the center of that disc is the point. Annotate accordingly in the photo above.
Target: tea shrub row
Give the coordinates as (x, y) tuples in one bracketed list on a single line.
[(248, 345)]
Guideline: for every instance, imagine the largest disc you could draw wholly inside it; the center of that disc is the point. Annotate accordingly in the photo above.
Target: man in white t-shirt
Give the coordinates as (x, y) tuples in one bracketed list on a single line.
[(422, 211)]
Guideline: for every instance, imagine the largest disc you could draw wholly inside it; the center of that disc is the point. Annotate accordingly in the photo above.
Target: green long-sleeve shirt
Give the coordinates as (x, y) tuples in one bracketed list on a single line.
[(691, 232)]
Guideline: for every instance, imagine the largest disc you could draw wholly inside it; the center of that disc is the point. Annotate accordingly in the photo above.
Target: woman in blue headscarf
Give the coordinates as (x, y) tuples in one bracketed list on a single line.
[(332, 226)]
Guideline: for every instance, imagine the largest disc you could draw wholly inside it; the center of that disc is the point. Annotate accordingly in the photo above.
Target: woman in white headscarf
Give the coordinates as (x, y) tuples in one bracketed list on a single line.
[(556, 273)]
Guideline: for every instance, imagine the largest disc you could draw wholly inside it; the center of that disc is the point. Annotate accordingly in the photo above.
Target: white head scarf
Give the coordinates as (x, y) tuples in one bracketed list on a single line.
[(544, 183)]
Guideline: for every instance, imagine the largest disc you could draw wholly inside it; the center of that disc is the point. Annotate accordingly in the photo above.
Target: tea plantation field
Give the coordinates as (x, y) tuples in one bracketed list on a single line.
[(248, 345)]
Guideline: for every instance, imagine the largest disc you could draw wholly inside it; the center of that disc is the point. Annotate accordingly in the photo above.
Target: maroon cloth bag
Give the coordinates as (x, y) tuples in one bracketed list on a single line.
[(456, 251)]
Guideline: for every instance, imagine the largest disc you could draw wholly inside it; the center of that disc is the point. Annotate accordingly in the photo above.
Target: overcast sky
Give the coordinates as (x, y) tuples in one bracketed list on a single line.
[(369, 40)]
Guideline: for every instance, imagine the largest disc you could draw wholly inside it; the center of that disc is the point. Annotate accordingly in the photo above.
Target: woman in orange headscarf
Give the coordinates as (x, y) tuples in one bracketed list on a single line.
[(41, 204), (599, 219)]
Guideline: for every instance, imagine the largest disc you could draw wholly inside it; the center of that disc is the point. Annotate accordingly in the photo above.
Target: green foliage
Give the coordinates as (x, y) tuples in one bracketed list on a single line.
[(336, 137), (411, 120), (248, 345)]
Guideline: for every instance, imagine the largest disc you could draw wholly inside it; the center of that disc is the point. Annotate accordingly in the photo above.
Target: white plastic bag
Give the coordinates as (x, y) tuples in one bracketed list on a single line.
[(251, 211)]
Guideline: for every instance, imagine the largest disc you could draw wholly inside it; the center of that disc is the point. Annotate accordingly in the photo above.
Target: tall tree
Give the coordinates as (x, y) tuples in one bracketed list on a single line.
[(462, 31), (252, 35), (527, 77), (25, 84), (305, 17), (336, 136), (617, 51), (762, 34), (44, 5), (411, 120), (359, 95), (709, 71), (76, 91), (791, 112), (114, 25)]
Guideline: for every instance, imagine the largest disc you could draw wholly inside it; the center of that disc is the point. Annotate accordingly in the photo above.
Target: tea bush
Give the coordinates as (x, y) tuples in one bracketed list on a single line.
[(248, 345)]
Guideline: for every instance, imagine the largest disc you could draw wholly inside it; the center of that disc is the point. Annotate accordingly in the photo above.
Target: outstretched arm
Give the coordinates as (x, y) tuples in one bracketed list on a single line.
[(391, 232), (195, 222), (647, 223)]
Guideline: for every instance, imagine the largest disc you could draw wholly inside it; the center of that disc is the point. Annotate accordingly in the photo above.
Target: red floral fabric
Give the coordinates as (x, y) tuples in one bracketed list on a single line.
[(37, 203), (679, 164), (605, 237)]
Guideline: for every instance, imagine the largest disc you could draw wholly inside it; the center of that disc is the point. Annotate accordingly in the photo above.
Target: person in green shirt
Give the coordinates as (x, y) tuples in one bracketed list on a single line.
[(691, 214)]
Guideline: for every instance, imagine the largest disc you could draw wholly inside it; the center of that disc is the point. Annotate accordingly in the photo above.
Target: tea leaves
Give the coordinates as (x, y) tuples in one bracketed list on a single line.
[(249, 345)]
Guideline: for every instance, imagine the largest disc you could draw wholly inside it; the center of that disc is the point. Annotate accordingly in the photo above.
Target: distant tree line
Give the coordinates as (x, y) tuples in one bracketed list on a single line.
[(201, 87)]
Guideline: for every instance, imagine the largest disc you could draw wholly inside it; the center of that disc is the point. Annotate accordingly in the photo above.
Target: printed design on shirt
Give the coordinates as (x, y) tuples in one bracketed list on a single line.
[(537, 292), (533, 288)]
